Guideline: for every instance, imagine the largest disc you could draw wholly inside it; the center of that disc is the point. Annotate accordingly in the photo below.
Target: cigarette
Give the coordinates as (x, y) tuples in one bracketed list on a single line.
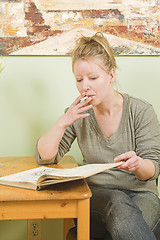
[(84, 98)]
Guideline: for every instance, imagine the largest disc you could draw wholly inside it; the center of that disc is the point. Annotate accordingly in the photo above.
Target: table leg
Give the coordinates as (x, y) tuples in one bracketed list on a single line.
[(68, 223), (83, 220)]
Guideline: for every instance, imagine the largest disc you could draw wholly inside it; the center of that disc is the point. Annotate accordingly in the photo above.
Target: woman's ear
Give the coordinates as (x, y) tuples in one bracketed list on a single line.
[(112, 75)]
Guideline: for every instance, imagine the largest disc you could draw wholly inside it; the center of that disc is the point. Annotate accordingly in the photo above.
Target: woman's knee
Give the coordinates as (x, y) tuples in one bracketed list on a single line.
[(120, 206)]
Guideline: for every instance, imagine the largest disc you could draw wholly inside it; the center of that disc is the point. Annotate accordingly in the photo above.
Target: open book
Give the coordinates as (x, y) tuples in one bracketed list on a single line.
[(40, 177)]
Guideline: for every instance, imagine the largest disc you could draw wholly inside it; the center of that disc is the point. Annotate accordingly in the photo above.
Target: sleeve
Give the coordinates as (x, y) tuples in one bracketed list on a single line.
[(147, 137), (64, 146)]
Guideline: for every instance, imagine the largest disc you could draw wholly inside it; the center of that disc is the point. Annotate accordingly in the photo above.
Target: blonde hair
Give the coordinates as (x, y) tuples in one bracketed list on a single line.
[(95, 46)]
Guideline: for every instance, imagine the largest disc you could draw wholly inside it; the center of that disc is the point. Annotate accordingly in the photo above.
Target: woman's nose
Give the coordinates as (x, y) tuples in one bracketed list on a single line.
[(86, 88)]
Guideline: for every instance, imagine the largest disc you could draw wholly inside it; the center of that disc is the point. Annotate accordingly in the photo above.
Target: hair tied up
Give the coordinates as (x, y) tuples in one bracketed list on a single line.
[(96, 46)]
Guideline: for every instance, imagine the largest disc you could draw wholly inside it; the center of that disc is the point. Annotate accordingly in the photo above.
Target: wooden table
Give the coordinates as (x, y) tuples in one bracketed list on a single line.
[(66, 200)]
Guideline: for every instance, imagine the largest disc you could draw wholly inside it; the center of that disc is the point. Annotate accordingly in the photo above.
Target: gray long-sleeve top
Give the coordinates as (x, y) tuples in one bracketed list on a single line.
[(138, 131)]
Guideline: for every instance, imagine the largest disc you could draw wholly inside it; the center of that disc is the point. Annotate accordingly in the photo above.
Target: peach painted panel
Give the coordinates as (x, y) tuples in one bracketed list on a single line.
[(49, 27)]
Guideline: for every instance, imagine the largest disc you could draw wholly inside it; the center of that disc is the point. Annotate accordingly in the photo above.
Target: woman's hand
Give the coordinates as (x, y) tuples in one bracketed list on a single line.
[(49, 142), (132, 161), (75, 111), (142, 168)]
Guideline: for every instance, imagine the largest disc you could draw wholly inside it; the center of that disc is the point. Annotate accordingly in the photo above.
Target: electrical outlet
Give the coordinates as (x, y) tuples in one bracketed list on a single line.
[(34, 229)]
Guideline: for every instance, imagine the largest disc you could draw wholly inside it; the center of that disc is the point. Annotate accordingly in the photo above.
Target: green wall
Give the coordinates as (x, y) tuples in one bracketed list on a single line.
[(34, 91)]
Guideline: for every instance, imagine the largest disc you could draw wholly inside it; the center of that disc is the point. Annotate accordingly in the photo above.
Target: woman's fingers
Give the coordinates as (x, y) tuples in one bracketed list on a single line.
[(83, 116), (77, 101), (77, 110), (132, 161), (124, 156)]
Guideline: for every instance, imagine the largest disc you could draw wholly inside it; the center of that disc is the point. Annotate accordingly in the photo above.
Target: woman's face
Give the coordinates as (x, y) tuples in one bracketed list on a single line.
[(92, 79)]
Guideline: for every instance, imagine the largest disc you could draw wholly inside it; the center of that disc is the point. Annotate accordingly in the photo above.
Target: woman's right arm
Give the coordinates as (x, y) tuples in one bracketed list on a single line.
[(48, 144)]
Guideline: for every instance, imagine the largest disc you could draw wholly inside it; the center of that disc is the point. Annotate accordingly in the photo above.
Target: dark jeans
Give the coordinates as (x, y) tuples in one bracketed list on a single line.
[(123, 215)]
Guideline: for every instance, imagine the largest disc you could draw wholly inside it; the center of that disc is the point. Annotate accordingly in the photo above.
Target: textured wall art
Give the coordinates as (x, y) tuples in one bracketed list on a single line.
[(49, 27)]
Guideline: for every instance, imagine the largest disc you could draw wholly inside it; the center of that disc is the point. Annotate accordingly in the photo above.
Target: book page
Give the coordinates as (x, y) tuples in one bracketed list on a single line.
[(33, 175), (87, 170), (79, 172)]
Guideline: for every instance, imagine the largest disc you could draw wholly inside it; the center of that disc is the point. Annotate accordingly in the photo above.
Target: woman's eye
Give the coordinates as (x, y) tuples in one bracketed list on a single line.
[(93, 78), (79, 80)]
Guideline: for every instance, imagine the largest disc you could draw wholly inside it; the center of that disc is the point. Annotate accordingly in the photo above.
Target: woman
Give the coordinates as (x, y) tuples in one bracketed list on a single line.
[(110, 126)]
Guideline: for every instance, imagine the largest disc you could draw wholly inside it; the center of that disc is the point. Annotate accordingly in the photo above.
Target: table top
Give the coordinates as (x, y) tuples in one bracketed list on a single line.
[(69, 190)]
